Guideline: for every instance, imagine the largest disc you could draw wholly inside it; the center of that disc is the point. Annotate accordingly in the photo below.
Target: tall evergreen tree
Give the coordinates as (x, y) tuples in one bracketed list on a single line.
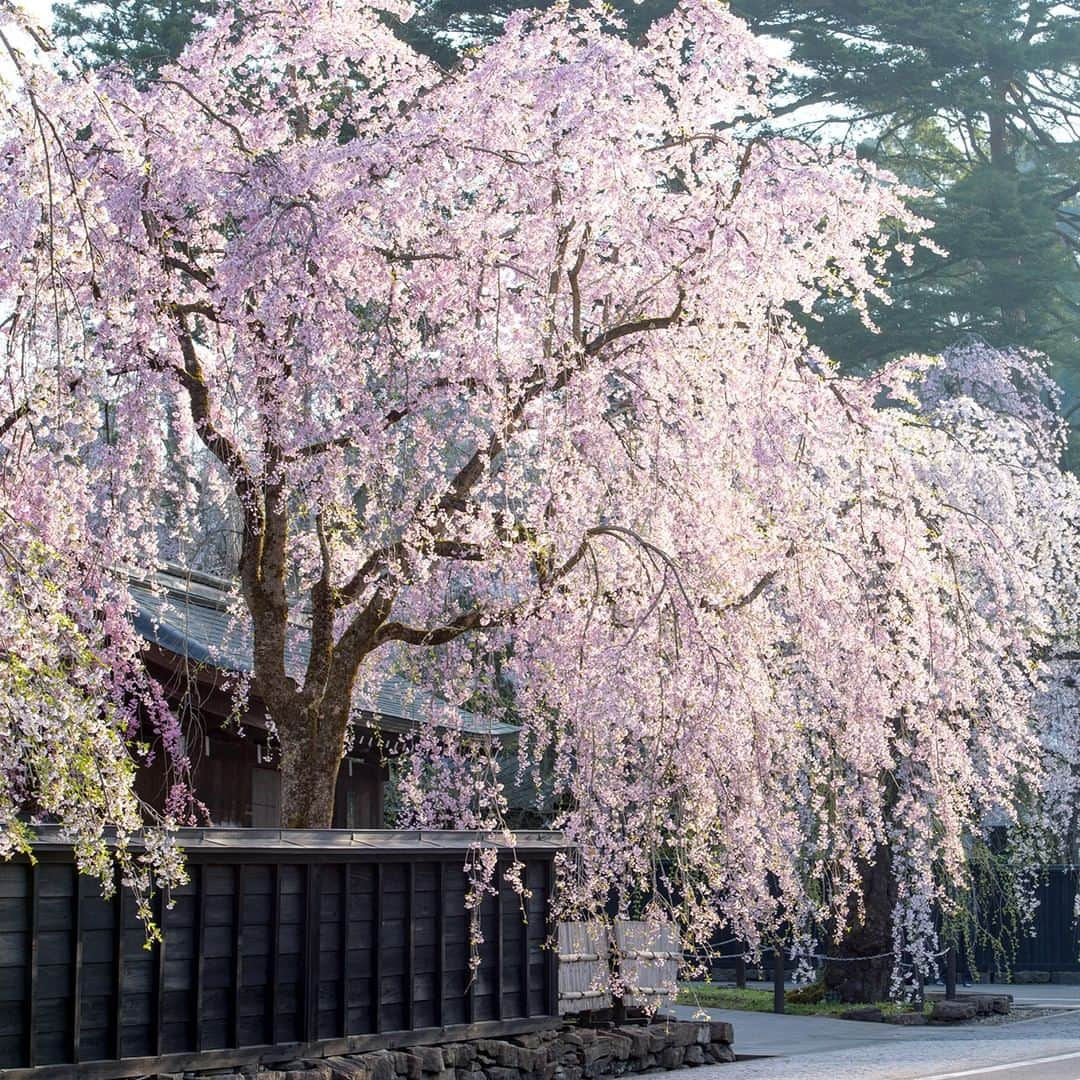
[(138, 34), (977, 103)]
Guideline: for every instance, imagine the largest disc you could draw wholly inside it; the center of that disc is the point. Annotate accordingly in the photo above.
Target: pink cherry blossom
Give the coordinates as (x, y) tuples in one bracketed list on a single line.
[(500, 367)]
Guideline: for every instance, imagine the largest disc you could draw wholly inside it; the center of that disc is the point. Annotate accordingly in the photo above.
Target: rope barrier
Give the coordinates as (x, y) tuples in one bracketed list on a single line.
[(823, 956)]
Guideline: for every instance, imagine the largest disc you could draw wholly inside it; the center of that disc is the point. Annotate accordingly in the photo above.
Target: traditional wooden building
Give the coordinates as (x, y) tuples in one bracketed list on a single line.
[(199, 645)]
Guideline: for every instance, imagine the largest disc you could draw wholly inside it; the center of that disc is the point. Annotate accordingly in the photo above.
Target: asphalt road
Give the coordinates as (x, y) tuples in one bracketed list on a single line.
[(816, 1048)]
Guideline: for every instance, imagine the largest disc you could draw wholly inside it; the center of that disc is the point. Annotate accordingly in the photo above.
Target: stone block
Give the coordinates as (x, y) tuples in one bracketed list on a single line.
[(499, 1072), (617, 1045), (501, 1053), (531, 1061), (458, 1055), (685, 1034), (721, 1053), (598, 1051), (658, 1038), (530, 1042), (346, 1069), (720, 1031), (695, 1055), (380, 1064), (431, 1058), (407, 1064), (953, 1011), (908, 1019), (870, 1014), (672, 1057), (306, 1070), (639, 1040), (581, 1036)]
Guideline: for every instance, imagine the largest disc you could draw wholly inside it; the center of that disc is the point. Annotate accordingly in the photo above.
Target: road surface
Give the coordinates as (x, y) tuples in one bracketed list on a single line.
[(818, 1048)]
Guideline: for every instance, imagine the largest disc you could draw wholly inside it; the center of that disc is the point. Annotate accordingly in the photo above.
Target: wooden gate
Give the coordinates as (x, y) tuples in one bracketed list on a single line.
[(584, 949), (648, 958)]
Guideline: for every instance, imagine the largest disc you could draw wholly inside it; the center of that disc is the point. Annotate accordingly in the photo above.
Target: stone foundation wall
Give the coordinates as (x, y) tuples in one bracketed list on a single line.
[(569, 1053)]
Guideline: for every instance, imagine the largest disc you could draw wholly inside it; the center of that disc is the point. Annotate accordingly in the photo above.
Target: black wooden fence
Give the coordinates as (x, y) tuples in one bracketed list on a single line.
[(1054, 944), (283, 944)]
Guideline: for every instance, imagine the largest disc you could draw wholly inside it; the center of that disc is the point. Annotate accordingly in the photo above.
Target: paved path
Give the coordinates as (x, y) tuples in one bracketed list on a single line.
[(819, 1048)]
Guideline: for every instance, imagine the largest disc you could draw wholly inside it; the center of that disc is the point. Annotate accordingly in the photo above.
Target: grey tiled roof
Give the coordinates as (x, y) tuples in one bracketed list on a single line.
[(199, 617)]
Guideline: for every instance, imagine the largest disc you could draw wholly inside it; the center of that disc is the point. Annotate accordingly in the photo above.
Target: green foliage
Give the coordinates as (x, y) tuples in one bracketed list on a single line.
[(139, 34), (707, 996), (806, 995), (975, 102)]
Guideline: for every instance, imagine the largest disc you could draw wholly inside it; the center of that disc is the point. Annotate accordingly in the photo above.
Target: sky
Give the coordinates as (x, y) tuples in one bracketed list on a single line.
[(41, 10)]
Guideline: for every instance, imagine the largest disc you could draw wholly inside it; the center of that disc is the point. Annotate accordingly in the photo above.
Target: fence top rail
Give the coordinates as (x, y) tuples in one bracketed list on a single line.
[(332, 841)]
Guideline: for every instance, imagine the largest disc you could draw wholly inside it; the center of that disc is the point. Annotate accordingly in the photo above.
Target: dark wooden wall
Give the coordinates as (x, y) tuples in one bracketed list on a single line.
[(1054, 944), (259, 952), (234, 773)]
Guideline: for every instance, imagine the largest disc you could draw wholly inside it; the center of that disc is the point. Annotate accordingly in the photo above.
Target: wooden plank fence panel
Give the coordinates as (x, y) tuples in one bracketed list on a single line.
[(648, 958), (583, 967), (268, 948)]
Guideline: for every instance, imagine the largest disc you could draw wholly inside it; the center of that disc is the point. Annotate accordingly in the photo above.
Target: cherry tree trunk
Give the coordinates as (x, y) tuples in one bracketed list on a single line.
[(864, 973), (311, 748)]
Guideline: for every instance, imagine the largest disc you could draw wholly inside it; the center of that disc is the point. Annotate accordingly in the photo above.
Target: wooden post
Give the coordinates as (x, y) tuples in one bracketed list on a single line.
[(238, 953), (440, 944), (119, 896), (778, 978), (410, 944), (950, 974), (499, 944), (522, 916), (309, 968), (343, 970), (30, 1014), (271, 1000), (200, 960), (551, 938), (76, 970), (376, 951), (159, 969)]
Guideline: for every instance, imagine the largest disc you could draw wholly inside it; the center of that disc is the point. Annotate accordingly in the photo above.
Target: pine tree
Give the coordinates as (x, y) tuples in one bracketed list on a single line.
[(138, 34), (976, 102)]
